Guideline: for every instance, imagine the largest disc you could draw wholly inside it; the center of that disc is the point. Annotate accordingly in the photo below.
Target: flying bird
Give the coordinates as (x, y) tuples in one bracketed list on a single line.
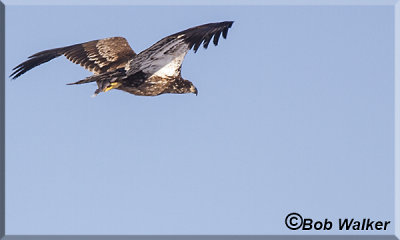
[(154, 71)]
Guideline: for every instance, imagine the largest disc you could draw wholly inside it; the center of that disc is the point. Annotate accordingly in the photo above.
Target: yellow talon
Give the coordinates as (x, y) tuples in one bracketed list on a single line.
[(112, 85)]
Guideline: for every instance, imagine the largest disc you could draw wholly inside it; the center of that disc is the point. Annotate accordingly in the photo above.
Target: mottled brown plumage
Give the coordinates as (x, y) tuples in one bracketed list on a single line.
[(154, 71)]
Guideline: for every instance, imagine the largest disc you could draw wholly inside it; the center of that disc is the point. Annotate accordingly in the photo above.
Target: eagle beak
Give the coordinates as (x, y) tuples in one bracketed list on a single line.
[(193, 89)]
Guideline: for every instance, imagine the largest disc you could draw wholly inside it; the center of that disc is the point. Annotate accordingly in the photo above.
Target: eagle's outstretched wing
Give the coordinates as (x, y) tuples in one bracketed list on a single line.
[(165, 57), (97, 56)]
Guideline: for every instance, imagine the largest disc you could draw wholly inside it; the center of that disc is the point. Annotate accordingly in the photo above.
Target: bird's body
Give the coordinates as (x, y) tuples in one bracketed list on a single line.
[(154, 71)]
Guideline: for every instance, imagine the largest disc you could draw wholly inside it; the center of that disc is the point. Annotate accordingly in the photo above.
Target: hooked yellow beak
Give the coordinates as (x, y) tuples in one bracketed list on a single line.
[(193, 89)]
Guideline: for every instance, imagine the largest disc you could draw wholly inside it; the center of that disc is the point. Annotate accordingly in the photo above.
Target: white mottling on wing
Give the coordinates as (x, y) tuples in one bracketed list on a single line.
[(166, 61), (107, 51), (170, 68)]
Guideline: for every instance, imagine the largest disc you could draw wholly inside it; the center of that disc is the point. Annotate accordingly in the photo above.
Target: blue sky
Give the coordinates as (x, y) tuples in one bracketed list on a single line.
[(294, 113)]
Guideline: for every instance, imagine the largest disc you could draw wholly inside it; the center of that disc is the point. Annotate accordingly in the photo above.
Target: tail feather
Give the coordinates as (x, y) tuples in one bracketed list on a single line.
[(93, 78), (103, 80)]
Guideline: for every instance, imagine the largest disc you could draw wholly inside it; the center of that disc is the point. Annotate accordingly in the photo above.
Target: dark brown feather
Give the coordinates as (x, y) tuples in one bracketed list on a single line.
[(197, 35), (216, 38), (98, 56)]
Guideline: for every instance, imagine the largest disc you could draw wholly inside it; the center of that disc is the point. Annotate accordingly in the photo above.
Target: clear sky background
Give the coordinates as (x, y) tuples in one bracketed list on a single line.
[(294, 113)]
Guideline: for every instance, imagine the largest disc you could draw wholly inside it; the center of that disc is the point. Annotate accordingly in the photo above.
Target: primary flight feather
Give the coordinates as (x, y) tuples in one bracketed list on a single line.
[(154, 71)]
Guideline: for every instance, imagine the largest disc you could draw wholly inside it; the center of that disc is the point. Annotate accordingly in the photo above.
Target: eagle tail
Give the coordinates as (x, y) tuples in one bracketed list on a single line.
[(105, 81), (86, 80)]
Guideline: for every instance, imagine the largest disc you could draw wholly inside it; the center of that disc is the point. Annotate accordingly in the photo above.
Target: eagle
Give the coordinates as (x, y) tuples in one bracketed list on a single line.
[(154, 71)]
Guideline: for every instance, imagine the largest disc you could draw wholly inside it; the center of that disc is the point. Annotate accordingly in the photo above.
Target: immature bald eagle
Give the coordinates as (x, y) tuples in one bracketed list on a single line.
[(115, 65)]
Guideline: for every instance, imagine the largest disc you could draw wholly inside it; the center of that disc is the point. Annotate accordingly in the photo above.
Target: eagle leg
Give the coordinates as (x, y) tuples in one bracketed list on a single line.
[(112, 86), (105, 87)]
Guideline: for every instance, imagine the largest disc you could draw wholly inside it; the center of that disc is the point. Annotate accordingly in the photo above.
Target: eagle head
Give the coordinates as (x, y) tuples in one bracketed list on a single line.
[(180, 86), (189, 87)]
